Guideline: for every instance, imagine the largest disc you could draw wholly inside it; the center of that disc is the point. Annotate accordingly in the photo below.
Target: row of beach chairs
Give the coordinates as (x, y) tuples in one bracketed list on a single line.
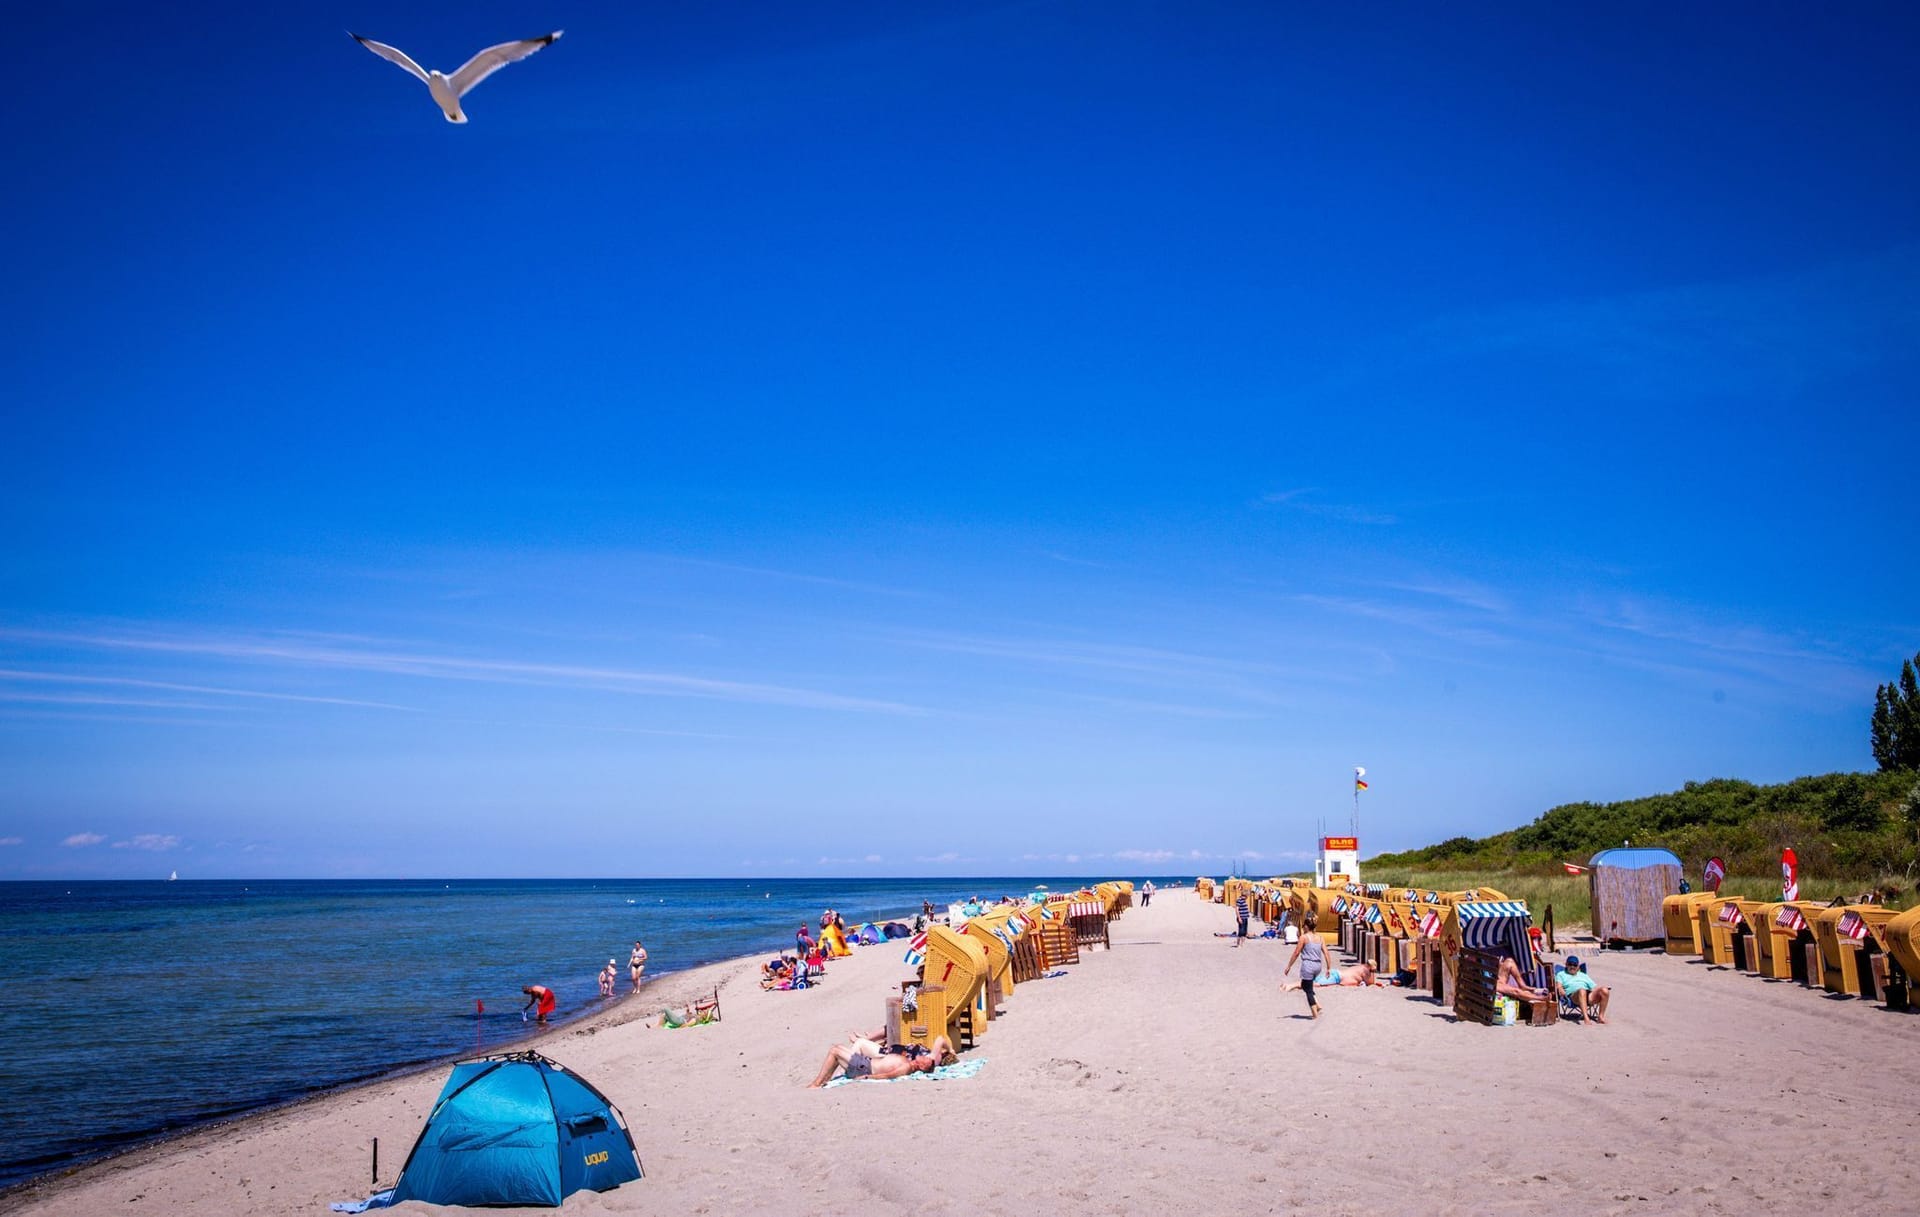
[(1451, 942), (968, 972), (1854, 950)]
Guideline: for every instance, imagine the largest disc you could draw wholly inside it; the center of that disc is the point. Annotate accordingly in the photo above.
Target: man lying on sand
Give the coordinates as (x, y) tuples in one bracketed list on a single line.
[(865, 1058)]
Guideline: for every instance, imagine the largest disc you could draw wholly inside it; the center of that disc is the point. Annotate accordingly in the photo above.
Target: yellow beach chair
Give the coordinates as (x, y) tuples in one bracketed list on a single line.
[(999, 984), (1849, 937), (1902, 937), (1769, 962), (956, 968), (1794, 943), (1683, 930)]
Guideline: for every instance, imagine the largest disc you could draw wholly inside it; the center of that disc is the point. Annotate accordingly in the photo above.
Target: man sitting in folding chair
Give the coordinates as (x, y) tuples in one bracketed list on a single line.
[(1577, 992)]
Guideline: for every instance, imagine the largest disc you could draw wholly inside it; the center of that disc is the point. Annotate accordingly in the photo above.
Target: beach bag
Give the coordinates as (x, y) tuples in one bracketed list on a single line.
[(1509, 1011)]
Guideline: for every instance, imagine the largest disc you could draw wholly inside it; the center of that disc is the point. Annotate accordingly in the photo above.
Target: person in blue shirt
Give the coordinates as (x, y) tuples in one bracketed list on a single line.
[(1589, 998)]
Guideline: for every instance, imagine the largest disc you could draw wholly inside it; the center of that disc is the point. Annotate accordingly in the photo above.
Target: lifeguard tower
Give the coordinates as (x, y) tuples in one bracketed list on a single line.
[(1339, 862)]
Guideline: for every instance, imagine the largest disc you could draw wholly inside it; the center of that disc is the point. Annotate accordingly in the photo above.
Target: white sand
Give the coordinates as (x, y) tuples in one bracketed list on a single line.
[(1169, 1074)]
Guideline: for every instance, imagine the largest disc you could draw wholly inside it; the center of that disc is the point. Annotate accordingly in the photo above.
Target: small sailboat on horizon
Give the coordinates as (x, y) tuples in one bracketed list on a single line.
[(173, 876)]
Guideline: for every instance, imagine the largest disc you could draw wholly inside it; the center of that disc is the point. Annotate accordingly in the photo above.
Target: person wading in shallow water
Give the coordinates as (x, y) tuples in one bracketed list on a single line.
[(637, 963), (540, 999)]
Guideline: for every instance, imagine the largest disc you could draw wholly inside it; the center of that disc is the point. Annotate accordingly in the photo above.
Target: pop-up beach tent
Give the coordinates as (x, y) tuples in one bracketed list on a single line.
[(1629, 887), (517, 1129)]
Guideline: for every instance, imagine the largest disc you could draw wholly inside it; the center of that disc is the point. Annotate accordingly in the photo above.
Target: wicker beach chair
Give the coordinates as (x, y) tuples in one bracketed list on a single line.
[(959, 965), (1849, 936), (1902, 937), (1681, 915), (1088, 916), (707, 1010), (986, 932)]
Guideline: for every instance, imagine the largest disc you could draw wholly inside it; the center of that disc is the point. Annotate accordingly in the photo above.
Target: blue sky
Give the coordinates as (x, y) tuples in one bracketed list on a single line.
[(966, 438)]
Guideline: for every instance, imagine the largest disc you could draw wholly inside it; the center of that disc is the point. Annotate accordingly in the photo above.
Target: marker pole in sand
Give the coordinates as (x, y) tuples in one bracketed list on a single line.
[(376, 1163)]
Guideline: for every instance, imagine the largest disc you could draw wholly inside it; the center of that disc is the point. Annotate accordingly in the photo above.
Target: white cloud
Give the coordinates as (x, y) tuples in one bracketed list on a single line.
[(83, 838), (13, 841), (873, 858), (1145, 855), (950, 856), (156, 842)]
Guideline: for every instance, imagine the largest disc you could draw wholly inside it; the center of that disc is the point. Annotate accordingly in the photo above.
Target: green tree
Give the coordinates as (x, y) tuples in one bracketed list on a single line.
[(1896, 721)]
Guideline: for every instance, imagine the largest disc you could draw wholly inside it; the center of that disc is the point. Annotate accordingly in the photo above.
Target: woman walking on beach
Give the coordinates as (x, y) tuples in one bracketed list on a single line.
[(637, 963), (1311, 954)]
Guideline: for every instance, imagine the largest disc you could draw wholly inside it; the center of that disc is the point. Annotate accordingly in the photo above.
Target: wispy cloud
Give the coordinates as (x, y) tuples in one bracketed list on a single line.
[(789, 576), (69, 678), (1244, 680), (1439, 624), (1302, 500), (1773, 333), (152, 841), (1070, 560), (390, 660), (13, 840), (1463, 593), (81, 840)]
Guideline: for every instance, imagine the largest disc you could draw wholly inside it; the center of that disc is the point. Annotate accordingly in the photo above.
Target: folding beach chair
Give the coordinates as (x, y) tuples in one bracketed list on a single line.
[(1568, 1007), (708, 1009)]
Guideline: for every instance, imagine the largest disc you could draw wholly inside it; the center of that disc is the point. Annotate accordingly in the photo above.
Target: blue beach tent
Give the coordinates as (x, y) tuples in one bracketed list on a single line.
[(517, 1129)]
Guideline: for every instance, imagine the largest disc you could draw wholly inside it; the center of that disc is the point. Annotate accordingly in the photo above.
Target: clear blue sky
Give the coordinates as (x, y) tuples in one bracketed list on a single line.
[(939, 438)]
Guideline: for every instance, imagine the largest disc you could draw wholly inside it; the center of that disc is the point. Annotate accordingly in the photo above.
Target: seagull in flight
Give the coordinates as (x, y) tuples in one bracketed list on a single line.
[(448, 90)]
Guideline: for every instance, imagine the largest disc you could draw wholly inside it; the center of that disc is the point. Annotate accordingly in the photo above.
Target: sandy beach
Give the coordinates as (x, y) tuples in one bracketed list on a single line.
[(1167, 1073)]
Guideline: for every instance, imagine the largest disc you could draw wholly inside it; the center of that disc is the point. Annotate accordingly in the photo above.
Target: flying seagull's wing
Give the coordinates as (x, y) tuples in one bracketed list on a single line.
[(491, 60), (391, 55)]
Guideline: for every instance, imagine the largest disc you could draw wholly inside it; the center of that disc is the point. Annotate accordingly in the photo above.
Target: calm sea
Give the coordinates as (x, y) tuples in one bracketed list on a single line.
[(138, 1009)]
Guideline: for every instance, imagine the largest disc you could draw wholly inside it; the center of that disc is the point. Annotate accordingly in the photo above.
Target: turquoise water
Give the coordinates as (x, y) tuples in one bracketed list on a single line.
[(143, 1008)]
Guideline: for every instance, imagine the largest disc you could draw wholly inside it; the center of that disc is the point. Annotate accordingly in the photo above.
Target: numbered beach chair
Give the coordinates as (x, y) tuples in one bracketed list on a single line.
[(1849, 936)]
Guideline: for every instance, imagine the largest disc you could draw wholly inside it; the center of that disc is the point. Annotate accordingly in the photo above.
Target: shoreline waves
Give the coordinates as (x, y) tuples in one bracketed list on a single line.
[(156, 1008)]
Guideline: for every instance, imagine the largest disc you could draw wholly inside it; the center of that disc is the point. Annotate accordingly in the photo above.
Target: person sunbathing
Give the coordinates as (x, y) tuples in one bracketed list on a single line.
[(775, 972), (1509, 983), (1360, 976), (867, 1059)]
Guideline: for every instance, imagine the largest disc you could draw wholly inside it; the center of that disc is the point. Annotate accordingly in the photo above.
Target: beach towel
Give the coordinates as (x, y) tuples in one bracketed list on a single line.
[(945, 1073), (378, 1200)]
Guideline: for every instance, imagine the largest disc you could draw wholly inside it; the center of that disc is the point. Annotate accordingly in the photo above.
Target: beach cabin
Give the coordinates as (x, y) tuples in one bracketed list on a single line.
[(1628, 886)]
